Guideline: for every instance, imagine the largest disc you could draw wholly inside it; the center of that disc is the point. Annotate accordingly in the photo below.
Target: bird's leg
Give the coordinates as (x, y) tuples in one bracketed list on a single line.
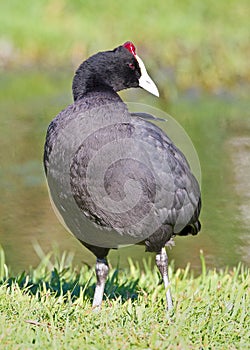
[(102, 270), (162, 264)]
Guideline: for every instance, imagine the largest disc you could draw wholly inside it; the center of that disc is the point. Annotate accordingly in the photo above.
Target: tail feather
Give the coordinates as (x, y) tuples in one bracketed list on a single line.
[(191, 229)]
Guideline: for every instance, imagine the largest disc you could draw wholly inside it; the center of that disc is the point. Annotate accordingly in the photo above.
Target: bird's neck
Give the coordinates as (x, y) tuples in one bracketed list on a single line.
[(87, 81)]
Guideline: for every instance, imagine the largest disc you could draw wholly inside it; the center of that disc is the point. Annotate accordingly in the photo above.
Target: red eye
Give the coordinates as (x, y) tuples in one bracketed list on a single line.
[(131, 66)]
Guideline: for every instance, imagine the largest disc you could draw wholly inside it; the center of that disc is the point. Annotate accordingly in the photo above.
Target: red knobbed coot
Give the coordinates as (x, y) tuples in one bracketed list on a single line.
[(114, 177)]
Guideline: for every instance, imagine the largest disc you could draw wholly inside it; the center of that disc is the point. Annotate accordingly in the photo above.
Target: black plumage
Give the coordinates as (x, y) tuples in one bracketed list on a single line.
[(99, 121)]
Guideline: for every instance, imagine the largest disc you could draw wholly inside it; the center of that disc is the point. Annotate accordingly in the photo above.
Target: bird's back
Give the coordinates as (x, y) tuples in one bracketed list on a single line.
[(122, 172)]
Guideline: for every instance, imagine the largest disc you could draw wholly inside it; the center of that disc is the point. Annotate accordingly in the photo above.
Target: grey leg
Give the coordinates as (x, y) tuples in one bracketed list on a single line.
[(162, 264), (102, 270)]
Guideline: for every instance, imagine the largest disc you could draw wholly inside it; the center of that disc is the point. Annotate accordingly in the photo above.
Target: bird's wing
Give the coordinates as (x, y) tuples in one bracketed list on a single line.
[(179, 198), (147, 116), (126, 175)]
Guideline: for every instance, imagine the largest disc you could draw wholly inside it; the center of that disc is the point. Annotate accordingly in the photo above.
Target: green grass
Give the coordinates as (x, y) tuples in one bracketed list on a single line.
[(199, 43), (50, 308)]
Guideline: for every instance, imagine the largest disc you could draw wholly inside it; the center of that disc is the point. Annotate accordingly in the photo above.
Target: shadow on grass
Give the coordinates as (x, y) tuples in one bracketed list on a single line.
[(58, 284)]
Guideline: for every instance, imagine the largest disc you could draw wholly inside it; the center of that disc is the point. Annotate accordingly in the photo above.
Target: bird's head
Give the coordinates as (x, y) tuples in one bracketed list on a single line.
[(118, 69)]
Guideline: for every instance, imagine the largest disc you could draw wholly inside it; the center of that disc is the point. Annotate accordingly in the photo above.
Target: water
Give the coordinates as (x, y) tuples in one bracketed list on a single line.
[(218, 126)]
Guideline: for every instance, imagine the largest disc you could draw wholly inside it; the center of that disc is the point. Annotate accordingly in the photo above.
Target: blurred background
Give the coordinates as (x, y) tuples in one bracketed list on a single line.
[(197, 52)]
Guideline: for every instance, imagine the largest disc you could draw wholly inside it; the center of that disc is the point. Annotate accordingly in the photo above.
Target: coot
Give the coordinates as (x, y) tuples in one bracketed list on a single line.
[(114, 177)]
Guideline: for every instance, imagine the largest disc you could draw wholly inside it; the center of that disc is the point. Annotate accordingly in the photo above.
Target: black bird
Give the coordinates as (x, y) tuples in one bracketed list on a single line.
[(114, 177)]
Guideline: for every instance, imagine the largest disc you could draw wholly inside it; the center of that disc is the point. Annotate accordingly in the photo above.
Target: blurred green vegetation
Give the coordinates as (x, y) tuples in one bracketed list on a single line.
[(202, 44), (191, 48)]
